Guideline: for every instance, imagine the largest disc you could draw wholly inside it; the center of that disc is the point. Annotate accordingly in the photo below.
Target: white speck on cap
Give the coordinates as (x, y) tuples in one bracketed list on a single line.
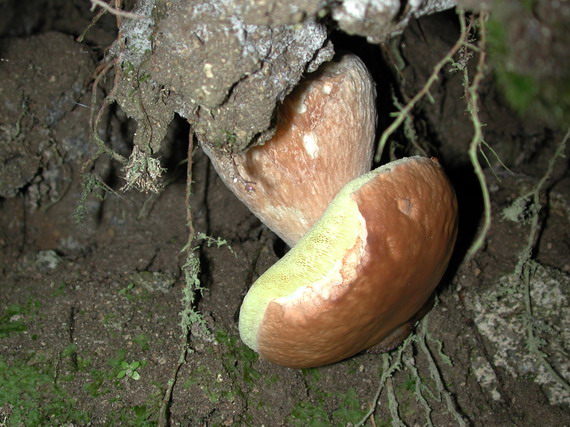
[(310, 143)]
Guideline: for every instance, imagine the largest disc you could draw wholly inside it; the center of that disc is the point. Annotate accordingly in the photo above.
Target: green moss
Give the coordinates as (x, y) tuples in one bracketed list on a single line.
[(309, 414), (197, 375), (520, 90), (313, 373), (11, 321), (60, 290), (34, 399), (238, 360), (350, 408), (138, 415), (142, 341), (530, 73)]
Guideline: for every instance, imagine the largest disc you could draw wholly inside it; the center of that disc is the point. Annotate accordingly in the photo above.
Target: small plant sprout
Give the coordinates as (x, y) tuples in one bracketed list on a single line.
[(127, 290), (129, 370)]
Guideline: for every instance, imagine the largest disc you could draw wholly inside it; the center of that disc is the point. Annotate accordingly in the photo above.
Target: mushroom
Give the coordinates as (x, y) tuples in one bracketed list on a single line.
[(361, 273), (324, 139), (364, 272)]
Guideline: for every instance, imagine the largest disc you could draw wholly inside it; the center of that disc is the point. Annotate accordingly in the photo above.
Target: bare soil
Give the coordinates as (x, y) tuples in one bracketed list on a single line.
[(89, 310)]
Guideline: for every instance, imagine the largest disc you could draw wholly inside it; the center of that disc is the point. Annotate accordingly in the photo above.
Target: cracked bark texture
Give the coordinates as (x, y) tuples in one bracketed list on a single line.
[(225, 65)]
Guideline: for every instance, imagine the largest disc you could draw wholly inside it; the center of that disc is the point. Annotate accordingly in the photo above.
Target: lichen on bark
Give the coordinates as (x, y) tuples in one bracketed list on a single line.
[(225, 66), (207, 64)]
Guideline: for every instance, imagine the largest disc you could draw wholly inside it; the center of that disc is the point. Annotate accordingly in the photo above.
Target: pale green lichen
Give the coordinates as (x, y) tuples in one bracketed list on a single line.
[(486, 377), (143, 172), (501, 318)]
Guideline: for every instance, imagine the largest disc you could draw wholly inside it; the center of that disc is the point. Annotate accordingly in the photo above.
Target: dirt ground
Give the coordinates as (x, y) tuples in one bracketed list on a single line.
[(91, 287)]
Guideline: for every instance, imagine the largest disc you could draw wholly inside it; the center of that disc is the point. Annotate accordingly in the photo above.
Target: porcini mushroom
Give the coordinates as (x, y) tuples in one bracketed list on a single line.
[(365, 270), (324, 139), (362, 271)]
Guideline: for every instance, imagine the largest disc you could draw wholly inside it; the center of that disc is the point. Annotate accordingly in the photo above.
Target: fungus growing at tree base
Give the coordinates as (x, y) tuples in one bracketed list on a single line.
[(361, 273)]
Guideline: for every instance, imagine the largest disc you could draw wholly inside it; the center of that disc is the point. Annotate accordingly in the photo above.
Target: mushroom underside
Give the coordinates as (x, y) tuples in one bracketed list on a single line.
[(396, 233)]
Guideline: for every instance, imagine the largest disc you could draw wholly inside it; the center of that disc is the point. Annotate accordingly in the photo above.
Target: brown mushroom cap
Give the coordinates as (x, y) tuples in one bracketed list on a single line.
[(361, 273), (324, 139)]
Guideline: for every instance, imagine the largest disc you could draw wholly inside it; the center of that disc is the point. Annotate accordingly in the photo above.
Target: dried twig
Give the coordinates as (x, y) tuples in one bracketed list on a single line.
[(116, 12), (406, 110)]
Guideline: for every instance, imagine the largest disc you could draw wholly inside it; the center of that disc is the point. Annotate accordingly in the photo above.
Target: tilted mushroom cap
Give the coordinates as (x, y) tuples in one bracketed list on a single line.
[(324, 139), (361, 273)]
